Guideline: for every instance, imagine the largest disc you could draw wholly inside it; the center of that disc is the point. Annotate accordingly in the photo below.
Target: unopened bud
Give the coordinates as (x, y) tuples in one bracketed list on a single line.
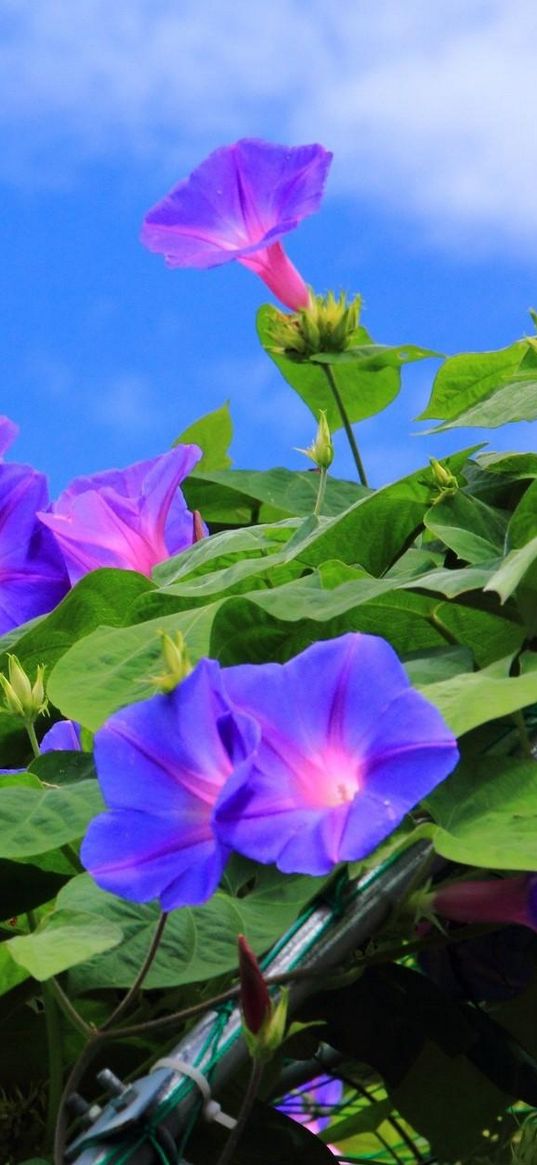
[(525, 1151), (198, 529), (321, 451), (176, 659), (443, 478), (327, 324), (264, 1022), (22, 697)]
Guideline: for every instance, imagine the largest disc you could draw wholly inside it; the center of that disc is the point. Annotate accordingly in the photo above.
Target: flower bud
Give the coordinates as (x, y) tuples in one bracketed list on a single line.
[(198, 529), (21, 697), (264, 1022), (176, 659), (501, 900), (525, 1151), (443, 478), (326, 324), (321, 450)]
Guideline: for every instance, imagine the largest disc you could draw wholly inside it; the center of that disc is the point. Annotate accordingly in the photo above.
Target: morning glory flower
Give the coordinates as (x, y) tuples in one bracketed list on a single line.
[(131, 518), (501, 900), (314, 1104), (161, 766), (347, 748), (237, 205), (64, 736), (33, 578)]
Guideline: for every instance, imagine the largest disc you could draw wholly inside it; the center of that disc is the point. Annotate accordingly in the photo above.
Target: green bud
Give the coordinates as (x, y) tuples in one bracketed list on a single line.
[(525, 1151), (443, 478), (327, 324), (263, 1043), (321, 451), (176, 659), (21, 697)]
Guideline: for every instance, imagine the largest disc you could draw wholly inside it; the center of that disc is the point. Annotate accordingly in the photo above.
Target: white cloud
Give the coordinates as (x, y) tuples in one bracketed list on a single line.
[(429, 107)]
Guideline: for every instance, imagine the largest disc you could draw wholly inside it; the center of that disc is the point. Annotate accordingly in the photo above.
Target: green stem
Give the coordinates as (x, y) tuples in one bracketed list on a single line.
[(144, 969), (245, 1109), (55, 1059), (29, 725), (91, 1049), (70, 1012), (346, 423), (323, 475)]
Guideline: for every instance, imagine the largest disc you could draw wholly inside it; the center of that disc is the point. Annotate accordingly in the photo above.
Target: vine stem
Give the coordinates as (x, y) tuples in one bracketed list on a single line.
[(245, 1109), (144, 970), (346, 423), (323, 474), (29, 725), (55, 1058)]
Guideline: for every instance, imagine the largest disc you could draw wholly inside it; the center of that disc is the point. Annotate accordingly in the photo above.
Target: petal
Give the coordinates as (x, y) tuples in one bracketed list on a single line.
[(241, 197), (142, 857), (131, 519)]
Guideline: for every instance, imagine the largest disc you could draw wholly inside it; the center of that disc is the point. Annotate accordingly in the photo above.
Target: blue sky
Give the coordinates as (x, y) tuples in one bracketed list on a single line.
[(430, 210)]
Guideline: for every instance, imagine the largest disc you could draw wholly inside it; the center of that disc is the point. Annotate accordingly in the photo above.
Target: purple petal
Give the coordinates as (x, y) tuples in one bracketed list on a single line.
[(346, 749), (164, 845), (63, 736), (240, 199), (33, 578), (132, 518)]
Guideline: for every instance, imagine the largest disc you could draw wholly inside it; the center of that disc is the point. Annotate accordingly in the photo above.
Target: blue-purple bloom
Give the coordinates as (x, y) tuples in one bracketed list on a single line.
[(33, 578), (347, 748), (64, 736), (237, 205), (161, 766), (304, 765), (131, 518), (315, 1104)]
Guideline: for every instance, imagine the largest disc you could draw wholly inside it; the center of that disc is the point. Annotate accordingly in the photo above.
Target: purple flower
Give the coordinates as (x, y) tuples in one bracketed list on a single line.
[(315, 1103), (501, 900), (237, 205), (161, 765), (33, 578), (131, 518), (347, 748), (63, 736)]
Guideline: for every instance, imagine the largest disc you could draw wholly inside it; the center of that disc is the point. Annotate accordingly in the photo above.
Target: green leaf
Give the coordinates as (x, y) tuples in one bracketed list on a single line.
[(113, 666), (235, 496), (199, 942), (513, 569), (364, 391), (465, 380), (376, 356), (470, 699), (103, 596), (366, 1120), (523, 524), (450, 1102), (34, 821), (514, 401), (213, 433), (11, 974), (23, 886), (474, 531), (487, 813), (61, 767), (64, 939), (513, 466)]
